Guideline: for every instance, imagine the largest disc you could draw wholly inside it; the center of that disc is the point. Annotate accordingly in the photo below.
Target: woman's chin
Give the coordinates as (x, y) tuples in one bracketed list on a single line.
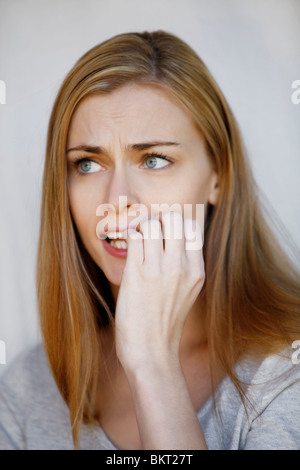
[(111, 267), (114, 276)]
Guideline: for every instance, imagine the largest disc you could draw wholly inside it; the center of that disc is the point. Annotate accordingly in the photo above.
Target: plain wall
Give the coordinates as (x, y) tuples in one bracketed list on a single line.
[(252, 48)]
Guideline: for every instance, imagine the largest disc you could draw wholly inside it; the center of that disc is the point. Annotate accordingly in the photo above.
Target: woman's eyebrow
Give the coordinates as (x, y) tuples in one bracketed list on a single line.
[(147, 145), (87, 148), (132, 147)]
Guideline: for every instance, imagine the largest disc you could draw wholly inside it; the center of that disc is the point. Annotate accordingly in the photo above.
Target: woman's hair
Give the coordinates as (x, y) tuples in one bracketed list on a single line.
[(250, 299)]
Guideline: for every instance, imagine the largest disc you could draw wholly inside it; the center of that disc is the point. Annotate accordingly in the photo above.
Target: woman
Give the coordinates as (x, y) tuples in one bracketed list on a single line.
[(153, 345)]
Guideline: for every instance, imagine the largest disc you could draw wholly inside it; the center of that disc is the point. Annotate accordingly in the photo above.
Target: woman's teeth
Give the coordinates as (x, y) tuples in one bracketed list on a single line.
[(121, 244), (116, 239), (116, 234)]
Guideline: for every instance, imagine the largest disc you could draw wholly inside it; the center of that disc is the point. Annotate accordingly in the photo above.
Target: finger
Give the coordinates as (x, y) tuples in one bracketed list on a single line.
[(173, 234), (135, 247), (153, 239), (193, 238)]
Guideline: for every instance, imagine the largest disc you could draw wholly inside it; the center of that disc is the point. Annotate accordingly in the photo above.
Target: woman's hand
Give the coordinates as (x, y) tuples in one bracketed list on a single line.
[(160, 283)]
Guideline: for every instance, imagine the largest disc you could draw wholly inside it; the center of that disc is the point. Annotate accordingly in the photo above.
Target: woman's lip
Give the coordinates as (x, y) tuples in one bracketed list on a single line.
[(121, 229), (116, 252), (115, 232)]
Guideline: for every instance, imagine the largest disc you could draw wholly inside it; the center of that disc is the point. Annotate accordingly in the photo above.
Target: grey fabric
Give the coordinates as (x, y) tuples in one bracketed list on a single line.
[(34, 416)]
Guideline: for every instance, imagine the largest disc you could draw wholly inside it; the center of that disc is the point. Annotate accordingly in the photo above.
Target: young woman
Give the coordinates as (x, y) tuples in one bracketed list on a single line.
[(149, 344)]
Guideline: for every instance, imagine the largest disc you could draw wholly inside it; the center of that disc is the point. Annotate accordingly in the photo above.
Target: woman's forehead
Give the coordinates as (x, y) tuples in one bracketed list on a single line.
[(132, 112)]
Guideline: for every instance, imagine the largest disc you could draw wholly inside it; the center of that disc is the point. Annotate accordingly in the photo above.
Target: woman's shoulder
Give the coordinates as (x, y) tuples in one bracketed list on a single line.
[(28, 383), (31, 407), (27, 371), (279, 369), (269, 416), (275, 390), (262, 380)]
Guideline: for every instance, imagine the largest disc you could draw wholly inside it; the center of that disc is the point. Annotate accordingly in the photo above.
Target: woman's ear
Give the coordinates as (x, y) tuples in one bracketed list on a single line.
[(214, 190)]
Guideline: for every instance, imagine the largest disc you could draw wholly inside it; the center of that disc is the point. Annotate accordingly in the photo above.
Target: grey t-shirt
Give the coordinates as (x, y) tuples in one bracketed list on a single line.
[(34, 416)]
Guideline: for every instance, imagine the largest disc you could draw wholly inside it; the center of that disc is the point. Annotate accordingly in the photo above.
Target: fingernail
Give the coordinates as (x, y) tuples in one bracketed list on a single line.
[(134, 234)]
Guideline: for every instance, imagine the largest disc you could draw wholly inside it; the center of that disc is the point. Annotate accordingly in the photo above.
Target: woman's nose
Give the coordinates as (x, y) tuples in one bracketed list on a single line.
[(121, 191)]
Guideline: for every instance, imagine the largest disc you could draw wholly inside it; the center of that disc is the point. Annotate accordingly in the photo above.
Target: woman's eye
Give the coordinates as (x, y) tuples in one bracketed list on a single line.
[(88, 166), (156, 162)]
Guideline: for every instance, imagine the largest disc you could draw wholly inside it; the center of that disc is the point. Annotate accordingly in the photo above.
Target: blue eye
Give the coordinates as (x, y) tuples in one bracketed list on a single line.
[(156, 162), (86, 166)]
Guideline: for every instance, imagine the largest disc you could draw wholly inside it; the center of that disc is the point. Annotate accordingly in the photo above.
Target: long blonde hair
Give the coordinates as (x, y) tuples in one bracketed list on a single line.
[(251, 295)]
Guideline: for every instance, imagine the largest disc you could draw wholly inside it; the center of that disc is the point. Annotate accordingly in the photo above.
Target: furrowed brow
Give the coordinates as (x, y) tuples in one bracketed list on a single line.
[(147, 145), (132, 147), (86, 148)]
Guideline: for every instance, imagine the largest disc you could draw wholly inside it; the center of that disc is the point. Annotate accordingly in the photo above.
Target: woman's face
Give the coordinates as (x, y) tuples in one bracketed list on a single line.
[(140, 143)]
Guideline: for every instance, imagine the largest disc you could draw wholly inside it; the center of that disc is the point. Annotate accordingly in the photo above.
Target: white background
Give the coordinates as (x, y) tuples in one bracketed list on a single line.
[(252, 48)]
